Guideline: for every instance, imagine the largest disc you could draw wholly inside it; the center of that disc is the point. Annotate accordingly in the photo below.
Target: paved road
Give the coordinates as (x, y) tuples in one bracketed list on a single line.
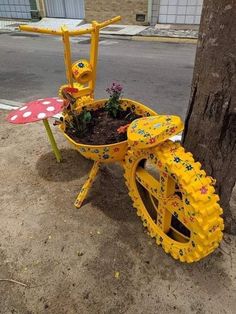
[(157, 74)]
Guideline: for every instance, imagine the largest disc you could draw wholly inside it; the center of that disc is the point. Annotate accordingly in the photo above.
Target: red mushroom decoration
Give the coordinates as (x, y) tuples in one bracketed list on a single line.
[(36, 110)]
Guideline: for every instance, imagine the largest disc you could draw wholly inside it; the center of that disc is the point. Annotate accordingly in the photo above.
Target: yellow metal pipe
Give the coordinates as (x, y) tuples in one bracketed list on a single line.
[(49, 31), (94, 54), (33, 29), (67, 54), (108, 22)]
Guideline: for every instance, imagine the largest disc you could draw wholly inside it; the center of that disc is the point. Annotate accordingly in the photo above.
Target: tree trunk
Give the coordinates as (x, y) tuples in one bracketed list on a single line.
[(210, 125)]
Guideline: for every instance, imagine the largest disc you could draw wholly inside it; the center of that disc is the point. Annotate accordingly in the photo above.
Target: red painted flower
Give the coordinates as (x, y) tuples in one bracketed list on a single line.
[(116, 149), (191, 219), (165, 174), (175, 204), (173, 149), (214, 228), (152, 140), (123, 128), (159, 164), (203, 190), (172, 130)]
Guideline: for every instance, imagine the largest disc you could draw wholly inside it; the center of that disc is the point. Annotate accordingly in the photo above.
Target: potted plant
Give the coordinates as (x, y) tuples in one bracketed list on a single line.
[(100, 127)]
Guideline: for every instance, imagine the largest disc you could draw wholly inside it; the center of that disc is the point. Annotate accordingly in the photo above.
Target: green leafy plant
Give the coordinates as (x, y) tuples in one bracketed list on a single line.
[(83, 119), (113, 103)]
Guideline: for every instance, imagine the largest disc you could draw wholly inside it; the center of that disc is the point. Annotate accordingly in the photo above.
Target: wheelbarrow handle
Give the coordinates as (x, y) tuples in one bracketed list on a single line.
[(49, 31)]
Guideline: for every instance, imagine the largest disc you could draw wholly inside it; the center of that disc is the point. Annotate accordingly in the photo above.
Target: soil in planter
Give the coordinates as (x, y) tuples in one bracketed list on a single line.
[(103, 128)]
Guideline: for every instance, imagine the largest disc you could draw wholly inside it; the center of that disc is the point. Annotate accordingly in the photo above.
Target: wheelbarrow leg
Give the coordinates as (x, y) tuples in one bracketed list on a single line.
[(87, 185)]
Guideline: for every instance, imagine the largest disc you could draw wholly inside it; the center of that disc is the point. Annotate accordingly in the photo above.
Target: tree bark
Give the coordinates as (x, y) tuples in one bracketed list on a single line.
[(210, 125)]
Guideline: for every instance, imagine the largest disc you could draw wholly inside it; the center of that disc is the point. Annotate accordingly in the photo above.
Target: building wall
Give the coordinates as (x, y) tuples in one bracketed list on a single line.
[(41, 8), (105, 9), (176, 11)]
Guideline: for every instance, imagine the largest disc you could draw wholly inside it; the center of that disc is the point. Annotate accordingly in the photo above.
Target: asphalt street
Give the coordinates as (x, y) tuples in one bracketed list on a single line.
[(156, 74)]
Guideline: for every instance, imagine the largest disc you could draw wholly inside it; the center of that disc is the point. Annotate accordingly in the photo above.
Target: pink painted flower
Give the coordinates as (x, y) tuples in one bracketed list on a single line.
[(203, 190)]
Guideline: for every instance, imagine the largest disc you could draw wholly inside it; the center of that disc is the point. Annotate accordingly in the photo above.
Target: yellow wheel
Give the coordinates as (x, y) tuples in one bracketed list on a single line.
[(175, 200)]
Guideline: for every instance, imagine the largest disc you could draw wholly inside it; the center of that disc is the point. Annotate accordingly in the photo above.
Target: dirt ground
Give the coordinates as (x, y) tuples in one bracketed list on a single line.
[(97, 259)]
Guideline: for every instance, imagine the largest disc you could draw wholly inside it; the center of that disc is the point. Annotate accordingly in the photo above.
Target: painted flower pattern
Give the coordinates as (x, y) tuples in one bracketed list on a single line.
[(203, 190), (177, 159), (152, 140), (81, 65), (189, 167)]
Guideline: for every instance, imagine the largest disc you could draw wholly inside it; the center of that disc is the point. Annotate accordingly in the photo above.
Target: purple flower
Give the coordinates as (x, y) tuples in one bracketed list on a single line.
[(114, 89)]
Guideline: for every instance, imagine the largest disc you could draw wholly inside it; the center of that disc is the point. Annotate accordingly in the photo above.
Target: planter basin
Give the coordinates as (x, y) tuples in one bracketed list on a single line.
[(107, 152)]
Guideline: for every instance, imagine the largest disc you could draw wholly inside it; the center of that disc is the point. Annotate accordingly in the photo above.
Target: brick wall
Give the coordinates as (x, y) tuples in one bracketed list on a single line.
[(100, 10)]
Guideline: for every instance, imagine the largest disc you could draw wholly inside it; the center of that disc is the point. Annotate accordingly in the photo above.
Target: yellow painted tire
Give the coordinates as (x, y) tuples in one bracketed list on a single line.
[(178, 205)]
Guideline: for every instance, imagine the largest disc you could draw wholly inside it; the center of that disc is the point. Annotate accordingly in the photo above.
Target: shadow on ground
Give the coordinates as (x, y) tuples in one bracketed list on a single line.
[(110, 194), (72, 167)]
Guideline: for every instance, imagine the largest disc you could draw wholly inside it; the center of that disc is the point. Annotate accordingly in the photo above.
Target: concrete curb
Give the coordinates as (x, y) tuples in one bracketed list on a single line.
[(161, 39), (11, 103), (176, 40)]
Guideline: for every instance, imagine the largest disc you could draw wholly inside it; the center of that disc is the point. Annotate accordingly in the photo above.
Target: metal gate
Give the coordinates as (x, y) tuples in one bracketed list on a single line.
[(19, 9), (73, 9), (177, 11)]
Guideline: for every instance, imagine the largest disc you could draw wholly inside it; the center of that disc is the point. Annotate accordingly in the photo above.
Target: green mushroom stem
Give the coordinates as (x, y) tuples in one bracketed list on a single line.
[(52, 141)]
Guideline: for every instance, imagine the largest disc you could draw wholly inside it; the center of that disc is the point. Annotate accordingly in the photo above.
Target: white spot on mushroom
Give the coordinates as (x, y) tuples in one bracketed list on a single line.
[(46, 102), (14, 117), (51, 108), (41, 115), (59, 100), (26, 114), (23, 108)]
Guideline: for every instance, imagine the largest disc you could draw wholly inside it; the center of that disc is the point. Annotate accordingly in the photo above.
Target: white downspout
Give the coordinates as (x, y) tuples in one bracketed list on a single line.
[(149, 19)]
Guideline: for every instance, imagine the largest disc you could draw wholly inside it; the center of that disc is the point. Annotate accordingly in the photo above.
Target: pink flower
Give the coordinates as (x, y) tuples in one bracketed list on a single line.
[(203, 190)]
